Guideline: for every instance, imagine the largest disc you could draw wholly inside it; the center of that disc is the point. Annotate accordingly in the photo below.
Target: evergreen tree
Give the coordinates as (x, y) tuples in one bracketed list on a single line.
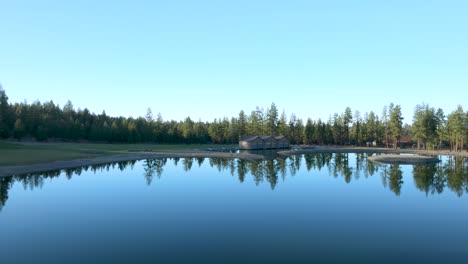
[(372, 127), (457, 126), (283, 124), (425, 123), (272, 120), (385, 125), (242, 124), (187, 130), (347, 119), (159, 130), (255, 126), (233, 135), (215, 132), (320, 132), (308, 132), (19, 130), (441, 126), (5, 114), (355, 131), (395, 124)]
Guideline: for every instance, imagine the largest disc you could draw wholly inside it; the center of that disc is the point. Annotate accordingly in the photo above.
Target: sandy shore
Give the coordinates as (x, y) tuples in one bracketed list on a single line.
[(67, 164), (404, 159)]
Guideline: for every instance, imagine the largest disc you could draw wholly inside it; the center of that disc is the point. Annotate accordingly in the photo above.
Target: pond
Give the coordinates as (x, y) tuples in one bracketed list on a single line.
[(327, 208)]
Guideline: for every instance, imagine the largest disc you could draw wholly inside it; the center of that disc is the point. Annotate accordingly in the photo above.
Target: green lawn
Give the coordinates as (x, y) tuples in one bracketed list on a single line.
[(30, 153)]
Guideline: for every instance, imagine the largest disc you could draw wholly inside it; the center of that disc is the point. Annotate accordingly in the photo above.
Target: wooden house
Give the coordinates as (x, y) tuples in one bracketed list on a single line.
[(251, 142), (269, 142), (263, 142), (282, 142)]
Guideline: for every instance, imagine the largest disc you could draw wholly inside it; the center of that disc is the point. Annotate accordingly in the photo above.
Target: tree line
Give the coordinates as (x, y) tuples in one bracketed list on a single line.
[(430, 127)]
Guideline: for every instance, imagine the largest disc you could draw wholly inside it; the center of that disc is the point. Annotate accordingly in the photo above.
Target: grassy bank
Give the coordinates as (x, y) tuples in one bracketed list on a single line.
[(31, 153)]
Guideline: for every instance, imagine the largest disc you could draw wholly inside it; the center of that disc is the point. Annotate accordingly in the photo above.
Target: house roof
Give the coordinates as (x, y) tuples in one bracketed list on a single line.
[(249, 138)]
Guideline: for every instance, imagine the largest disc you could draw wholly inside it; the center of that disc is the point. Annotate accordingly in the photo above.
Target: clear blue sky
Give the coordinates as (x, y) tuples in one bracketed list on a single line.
[(209, 59)]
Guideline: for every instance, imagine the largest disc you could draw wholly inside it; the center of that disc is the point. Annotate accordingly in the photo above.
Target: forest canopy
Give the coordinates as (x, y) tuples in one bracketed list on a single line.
[(430, 127)]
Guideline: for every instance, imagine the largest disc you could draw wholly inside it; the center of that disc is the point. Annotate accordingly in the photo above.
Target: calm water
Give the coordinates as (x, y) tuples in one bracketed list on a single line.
[(320, 208)]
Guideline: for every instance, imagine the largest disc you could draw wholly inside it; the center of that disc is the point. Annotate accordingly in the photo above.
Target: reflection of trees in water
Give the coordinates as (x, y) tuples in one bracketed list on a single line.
[(272, 173), (270, 170), (187, 164), (176, 161), (154, 167), (370, 169), (392, 177), (5, 185), (432, 178), (218, 163), (294, 164), (36, 180), (241, 169), (340, 166), (429, 178), (360, 168), (265, 170), (395, 179), (456, 170), (200, 161)]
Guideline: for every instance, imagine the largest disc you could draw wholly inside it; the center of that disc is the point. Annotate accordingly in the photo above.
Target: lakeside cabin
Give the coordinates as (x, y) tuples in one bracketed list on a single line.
[(263, 142)]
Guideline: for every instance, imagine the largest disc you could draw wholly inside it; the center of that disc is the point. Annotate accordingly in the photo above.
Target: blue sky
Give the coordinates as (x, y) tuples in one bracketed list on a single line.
[(210, 59)]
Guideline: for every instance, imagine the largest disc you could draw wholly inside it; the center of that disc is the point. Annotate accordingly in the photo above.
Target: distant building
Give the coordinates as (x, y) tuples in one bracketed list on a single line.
[(263, 142), (282, 142), (268, 142), (251, 142)]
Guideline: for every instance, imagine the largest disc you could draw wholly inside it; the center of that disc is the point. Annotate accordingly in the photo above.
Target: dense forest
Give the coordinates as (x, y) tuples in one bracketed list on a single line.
[(430, 128)]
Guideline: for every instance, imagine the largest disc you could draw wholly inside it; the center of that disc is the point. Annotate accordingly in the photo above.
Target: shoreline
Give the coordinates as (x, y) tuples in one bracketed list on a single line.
[(6, 171), (404, 159)]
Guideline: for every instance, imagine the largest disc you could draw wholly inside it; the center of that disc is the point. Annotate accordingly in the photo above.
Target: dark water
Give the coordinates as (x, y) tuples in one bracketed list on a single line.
[(324, 208)]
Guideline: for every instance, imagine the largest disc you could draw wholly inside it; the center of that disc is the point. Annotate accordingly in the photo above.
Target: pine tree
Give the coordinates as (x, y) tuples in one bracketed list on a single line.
[(457, 126), (242, 124), (5, 114), (272, 120), (395, 124)]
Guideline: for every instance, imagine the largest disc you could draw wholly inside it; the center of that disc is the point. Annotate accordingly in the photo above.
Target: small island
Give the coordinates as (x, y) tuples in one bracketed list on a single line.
[(404, 159)]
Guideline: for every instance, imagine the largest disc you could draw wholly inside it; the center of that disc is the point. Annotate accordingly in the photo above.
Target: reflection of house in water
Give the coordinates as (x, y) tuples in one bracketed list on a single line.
[(267, 154), (263, 142)]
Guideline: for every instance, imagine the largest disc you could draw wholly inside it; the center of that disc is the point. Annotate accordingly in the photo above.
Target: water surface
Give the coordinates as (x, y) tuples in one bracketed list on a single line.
[(323, 207)]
